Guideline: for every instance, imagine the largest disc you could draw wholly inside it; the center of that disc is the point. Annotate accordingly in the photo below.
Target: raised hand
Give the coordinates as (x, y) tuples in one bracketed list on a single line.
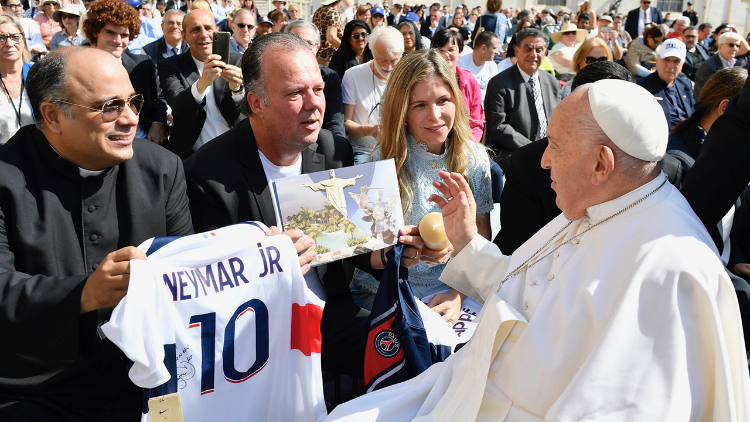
[(458, 208)]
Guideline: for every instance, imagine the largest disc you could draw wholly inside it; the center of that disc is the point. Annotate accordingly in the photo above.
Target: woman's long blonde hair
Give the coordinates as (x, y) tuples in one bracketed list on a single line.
[(412, 69), (8, 18)]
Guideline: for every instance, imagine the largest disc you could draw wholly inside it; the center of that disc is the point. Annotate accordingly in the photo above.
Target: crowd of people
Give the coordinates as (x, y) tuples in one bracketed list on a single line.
[(120, 123)]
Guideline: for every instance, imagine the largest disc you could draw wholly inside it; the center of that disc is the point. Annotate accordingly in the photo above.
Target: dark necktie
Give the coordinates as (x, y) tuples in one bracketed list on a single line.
[(175, 51)]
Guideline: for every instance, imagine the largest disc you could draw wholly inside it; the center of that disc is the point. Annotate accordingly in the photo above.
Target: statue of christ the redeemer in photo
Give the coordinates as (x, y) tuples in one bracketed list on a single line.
[(334, 188)]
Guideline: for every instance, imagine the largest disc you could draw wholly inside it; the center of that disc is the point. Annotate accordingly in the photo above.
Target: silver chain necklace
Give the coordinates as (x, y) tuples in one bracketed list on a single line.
[(534, 258)]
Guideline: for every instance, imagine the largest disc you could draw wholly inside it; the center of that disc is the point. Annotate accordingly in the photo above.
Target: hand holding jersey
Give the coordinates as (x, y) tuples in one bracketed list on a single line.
[(302, 243), (109, 283)]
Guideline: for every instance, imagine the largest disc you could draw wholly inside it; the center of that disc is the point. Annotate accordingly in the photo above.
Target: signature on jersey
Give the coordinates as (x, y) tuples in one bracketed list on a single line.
[(185, 371)]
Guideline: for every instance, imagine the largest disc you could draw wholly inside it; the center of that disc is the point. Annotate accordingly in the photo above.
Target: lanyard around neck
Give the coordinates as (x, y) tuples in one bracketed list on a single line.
[(20, 99)]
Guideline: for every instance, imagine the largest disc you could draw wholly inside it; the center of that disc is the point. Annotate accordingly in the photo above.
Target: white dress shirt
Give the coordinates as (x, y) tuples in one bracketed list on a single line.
[(215, 124)]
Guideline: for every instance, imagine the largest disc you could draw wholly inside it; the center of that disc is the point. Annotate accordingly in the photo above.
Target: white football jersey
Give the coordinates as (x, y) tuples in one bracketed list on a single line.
[(225, 319)]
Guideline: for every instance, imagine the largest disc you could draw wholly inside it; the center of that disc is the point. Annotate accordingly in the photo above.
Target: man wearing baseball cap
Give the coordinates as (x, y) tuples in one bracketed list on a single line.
[(673, 89)]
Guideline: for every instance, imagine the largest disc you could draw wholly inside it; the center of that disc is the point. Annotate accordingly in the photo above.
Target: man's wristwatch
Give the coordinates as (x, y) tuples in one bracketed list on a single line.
[(239, 90)]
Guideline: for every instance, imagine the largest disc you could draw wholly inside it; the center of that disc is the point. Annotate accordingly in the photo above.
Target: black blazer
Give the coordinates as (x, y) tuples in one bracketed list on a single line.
[(631, 24), (157, 50), (689, 67), (144, 80), (425, 28), (510, 112), (176, 75), (55, 229), (391, 17), (333, 119), (707, 69)]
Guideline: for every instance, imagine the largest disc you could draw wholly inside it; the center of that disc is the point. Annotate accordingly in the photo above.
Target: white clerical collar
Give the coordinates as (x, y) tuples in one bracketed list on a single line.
[(83, 172), (601, 211)]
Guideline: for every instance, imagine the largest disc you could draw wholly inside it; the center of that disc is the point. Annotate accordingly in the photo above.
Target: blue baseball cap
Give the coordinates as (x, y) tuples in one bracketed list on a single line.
[(264, 19), (411, 16), (377, 10), (135, 3)]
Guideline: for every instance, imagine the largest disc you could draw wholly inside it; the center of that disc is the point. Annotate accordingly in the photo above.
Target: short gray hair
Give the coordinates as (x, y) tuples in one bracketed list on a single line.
[(683, 19), (253, 76), (46, 83), (173, 12), (303, 24), (390, 37), (729, 36), (548, 20), (242, 11)]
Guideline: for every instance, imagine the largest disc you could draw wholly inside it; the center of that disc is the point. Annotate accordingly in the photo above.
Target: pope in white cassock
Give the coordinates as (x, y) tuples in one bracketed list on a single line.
[(617, 310)]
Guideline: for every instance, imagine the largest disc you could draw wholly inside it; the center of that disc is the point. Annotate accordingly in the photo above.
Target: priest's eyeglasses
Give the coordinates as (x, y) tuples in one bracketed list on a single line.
[(112, 109)]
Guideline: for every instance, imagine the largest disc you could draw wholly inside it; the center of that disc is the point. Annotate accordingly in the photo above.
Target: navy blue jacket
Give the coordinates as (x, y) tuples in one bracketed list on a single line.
[(655, 85), (631, 23)]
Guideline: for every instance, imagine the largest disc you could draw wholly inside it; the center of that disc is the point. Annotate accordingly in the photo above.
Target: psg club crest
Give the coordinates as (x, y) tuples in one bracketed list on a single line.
[(387, 344)]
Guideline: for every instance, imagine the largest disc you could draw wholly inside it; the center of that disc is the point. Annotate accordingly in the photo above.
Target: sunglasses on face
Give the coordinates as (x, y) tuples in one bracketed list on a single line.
[(645, 2), (15, 38), (689, 36), (733, 45), (360, 35), (245, 25), (591, 60), (112, 109), (570, 33), (50, 4)]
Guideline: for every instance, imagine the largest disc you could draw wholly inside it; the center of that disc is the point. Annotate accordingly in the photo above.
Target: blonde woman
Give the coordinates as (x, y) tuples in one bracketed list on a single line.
[(15, 107), (591, 51), (425, 128)]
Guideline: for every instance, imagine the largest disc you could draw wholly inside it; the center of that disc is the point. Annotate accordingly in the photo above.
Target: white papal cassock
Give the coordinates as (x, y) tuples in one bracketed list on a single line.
[(636, 320)]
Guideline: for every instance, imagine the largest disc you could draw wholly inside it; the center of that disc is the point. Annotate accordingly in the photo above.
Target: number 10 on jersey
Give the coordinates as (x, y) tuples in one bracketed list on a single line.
[(207, 325)]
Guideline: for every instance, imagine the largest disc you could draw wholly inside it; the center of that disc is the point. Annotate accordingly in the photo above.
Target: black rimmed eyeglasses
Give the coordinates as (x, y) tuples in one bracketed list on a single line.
[(112, 109)]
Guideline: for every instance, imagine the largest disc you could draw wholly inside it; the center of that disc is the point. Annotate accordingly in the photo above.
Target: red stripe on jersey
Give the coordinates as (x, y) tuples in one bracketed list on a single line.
[(306, 328), (207, 391), (376, 363), (194, 325)]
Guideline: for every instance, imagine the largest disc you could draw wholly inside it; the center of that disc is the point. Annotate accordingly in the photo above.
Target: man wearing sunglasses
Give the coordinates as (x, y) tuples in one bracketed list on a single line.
[(520, 99), (675, 91), (729, 45), (79, 192), (697, 53), (641, 18), (243, 28)]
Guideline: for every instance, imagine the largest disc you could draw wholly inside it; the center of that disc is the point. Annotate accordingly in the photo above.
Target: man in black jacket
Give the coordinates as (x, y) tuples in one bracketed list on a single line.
[(78, 193), (203, 91), (228, 178)]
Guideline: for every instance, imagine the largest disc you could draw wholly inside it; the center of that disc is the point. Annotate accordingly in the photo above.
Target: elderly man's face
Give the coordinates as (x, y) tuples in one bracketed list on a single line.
[(171, 25), (243, 27), (199, 31), (668, 68), (86, 139), (296, 103), (729, 49), (384, 61), (530, 54), (571, 165), (679, 26)]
